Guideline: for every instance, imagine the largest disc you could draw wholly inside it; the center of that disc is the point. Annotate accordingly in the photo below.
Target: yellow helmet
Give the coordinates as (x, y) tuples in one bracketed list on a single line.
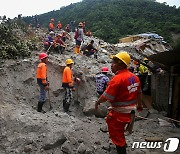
[(145, 59), (69, 61), (124, 57)]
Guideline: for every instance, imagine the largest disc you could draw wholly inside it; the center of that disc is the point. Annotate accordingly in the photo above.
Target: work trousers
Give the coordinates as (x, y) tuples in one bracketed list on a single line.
[(116, 126), (68, 95), (42, 96)]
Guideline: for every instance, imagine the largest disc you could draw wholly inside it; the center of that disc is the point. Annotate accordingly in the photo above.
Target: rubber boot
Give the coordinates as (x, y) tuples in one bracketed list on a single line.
[(39, 108), (66, 106), (121, 150), (40, 105), (76, 50)]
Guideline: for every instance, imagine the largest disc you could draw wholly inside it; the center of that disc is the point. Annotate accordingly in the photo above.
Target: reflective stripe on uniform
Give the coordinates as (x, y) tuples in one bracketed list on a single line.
[(125, 109), (108, 96), (127, 103)]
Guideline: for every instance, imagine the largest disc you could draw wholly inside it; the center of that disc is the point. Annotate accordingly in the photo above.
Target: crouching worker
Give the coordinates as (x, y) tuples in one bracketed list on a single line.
[(41, 75), (68, 84), (124, 93), (90, 50), (59, 44)]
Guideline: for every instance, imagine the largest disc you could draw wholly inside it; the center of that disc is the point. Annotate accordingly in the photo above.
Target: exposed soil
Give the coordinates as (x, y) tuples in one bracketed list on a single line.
[(24, 130)]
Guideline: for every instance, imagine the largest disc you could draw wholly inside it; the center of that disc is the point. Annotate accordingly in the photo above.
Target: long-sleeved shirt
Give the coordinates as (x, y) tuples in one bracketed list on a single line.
[(67, 77), (80, 35), (41, 73)]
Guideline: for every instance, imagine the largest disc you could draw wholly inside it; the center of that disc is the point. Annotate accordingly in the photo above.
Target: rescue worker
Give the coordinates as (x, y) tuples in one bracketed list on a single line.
[(67, 28), (49, 41), (72, 26), (59, 25), (143, 69), (68, 84), (90, 49), (88, 33), (59, 45), (78, 38), (102, 80), (41, 75), (145, 79), (65, 36), (124, 93), (84, 27), (51, 25)]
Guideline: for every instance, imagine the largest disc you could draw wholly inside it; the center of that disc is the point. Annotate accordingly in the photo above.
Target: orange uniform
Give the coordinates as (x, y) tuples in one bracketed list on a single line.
[(67, 76), (59, 26), (51, 26), (41, 73), (122, 92)]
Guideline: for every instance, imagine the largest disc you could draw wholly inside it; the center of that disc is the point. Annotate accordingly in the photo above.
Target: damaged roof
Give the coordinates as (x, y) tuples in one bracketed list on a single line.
[(151, 46)]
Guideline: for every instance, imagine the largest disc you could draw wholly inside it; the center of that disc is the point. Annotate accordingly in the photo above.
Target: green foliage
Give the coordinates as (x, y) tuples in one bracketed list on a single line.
[(113, 19), (11, 45)]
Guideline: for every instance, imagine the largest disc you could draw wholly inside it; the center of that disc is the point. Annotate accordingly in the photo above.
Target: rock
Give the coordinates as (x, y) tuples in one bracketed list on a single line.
[(104, 129), (66, 148), (28, 148), (98, 142), (73, 141), (89, 151), (89, 108), (54, 141), (81, 149), (144, 113), (153, 111)]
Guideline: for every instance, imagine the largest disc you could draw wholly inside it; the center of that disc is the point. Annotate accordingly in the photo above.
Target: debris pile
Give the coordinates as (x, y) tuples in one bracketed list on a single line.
[(24, 130)]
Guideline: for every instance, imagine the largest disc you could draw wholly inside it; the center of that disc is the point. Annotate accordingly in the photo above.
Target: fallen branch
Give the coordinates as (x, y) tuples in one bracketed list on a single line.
[(173, 120), (143, 118)]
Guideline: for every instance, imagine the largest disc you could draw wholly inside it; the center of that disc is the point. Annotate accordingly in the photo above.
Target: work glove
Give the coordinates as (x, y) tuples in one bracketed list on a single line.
[(78, 80), (47, 88)]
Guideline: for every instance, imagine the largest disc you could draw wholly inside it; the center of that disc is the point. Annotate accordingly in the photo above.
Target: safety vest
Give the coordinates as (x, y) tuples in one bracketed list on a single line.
[(143, 69), (51, 26), (41, 72), (123, 89)]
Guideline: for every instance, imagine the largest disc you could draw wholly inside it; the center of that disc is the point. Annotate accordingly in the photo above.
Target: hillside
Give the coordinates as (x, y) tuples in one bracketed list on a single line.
[(113, 19)]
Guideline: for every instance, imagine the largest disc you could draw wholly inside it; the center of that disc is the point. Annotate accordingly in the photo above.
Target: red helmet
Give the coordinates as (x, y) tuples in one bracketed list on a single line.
[(104, 69), (42, 55)]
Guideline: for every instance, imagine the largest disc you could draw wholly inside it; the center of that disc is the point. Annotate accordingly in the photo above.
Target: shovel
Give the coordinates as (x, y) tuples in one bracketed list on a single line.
[(98, 113), (50, 106), (49, 48), (77, 96)]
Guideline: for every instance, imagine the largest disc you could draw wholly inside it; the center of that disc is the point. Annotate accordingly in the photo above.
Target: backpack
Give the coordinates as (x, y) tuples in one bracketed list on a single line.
[(76, 34)]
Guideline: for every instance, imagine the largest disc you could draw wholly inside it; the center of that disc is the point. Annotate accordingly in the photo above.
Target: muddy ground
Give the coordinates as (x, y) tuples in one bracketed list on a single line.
[(24, 130)]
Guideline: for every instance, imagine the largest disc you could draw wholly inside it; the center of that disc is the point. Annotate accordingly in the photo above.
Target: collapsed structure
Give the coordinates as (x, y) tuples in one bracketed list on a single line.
[(164, 65)]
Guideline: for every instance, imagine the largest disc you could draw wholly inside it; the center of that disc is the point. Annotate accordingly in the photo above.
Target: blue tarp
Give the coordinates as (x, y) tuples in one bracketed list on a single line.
[(151, 35)]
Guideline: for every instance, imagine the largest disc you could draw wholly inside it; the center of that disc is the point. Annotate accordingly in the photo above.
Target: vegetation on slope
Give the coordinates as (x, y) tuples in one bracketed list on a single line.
[(113, 19), (13, 41)]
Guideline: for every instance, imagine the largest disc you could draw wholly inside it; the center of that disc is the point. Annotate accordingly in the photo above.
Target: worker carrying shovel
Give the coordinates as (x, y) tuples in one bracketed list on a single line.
[(41, 75), (124, 94), (68, 84)]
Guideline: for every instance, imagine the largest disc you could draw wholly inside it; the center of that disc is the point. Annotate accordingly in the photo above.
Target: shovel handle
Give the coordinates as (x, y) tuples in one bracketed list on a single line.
[(49, 100)]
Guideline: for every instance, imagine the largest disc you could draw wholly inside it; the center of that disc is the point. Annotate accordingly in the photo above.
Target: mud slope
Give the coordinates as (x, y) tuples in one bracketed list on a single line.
[(24, 130)]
